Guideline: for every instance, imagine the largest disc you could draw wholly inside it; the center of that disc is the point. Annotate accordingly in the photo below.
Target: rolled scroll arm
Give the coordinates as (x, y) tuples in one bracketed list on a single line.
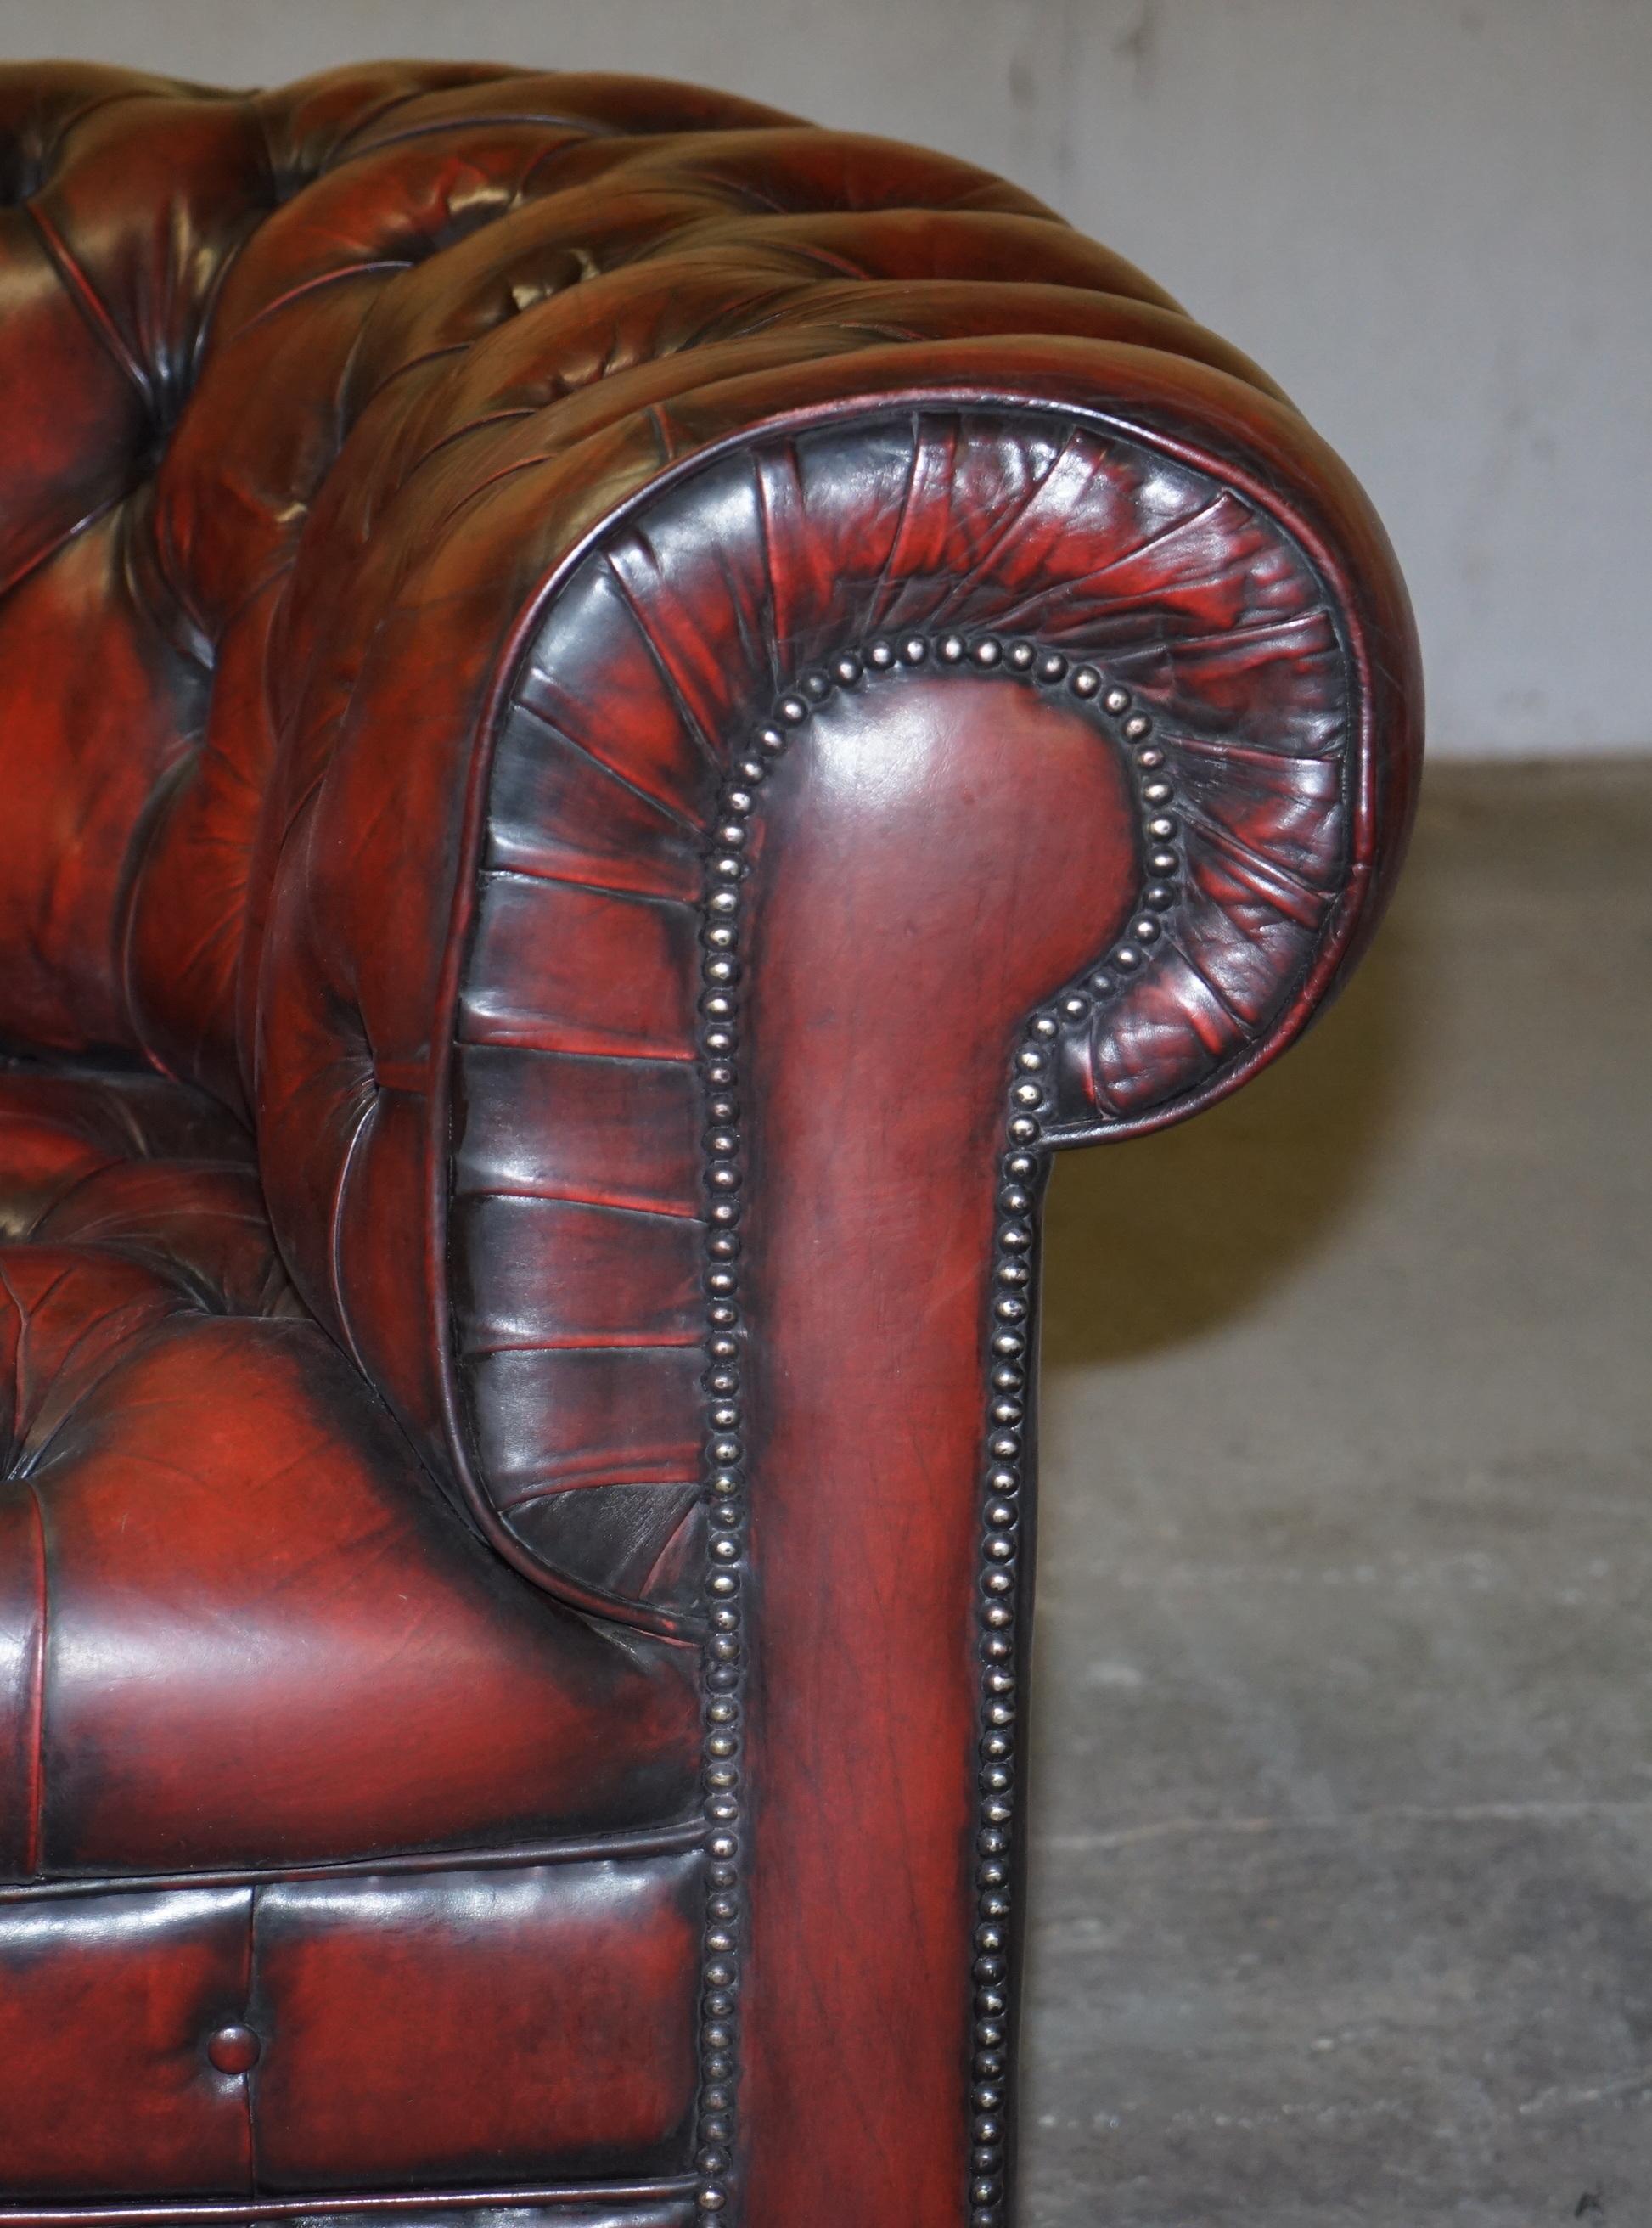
[(1059, 770)]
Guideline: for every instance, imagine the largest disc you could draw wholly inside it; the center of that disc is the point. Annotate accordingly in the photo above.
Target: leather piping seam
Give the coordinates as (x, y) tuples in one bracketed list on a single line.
[(652, 1208), (678, 1838), (91, 304), (37, 1735), (336, 1224), (249, 2082), (580, 127), (647, 1474), (318, 2205), (346, 146)]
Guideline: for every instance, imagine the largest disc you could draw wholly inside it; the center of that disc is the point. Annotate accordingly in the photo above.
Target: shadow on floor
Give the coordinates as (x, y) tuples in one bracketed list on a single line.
[(1340, 1768), (1161, 1240)]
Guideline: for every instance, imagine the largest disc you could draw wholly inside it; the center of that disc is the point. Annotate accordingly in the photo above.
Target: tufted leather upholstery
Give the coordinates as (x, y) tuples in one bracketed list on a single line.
[(183, 1445), (419, 483), (576, 1019), (304, 365)]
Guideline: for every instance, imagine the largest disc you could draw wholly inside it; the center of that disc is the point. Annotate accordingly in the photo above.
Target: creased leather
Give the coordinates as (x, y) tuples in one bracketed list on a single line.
[(238, 1625), (321, 390)]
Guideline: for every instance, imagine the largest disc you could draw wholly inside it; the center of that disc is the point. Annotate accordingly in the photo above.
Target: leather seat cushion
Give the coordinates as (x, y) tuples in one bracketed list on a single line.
[(478, 2026), (238, 1622)]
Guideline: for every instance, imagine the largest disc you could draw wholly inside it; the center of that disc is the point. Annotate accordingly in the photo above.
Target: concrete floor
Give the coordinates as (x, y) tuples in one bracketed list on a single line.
[(1343, 1812)]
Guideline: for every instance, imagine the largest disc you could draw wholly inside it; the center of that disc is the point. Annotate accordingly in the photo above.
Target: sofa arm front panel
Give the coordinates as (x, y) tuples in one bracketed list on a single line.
[(1062, 765), (533, 1300)]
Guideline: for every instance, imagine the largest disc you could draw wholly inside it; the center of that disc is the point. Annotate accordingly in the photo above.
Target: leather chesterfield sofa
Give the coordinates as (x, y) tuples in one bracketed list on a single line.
[(619, 712)]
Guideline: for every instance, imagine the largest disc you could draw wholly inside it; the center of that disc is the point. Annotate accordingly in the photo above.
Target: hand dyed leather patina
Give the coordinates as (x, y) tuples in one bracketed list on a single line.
[(620, 711)]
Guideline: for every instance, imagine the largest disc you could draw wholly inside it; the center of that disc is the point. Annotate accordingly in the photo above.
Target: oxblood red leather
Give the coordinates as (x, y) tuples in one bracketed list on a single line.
[(541, 2017), (620, 711), (186, 1452)]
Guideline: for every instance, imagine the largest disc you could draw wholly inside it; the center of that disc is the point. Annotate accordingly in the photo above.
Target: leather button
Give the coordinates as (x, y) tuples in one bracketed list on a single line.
[(233, 2049)]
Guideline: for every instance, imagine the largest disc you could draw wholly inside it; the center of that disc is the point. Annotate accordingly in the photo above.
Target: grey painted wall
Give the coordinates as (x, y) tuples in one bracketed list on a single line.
[(1431, 219)]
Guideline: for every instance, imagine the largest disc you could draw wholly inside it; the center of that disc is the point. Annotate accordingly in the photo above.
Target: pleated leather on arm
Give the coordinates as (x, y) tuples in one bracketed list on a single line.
[(399, 757)]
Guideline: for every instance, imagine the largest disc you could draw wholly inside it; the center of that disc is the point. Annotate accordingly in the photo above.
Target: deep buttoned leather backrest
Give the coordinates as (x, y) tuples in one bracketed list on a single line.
[(203, 294), (185, 277)]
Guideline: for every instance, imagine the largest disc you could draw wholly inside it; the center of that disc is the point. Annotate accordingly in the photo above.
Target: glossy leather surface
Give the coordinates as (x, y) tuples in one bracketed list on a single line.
[(969, 812), (240, 1624), (365, 358), (658, 656), (422, 486), (541, 2017)]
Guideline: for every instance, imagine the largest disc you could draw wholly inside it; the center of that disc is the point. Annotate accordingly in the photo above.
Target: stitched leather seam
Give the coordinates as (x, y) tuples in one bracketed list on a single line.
[(345, 149), (623, 894), (36, 1733), (323, 279), (612, 774), (584, 127), (90, 303), (648, 1474), (249, 1997), (547, 1052), (336, 1227), (624, 890), (598, 1206), (396, 2203), (650, 1211), (619, 1344), (642, 1841), (534, 1037), (42, 557)]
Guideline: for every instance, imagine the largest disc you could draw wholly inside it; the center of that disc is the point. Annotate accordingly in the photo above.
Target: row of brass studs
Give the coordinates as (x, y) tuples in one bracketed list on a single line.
[(723, 1682), (718, 1049), (1009, 1396)]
